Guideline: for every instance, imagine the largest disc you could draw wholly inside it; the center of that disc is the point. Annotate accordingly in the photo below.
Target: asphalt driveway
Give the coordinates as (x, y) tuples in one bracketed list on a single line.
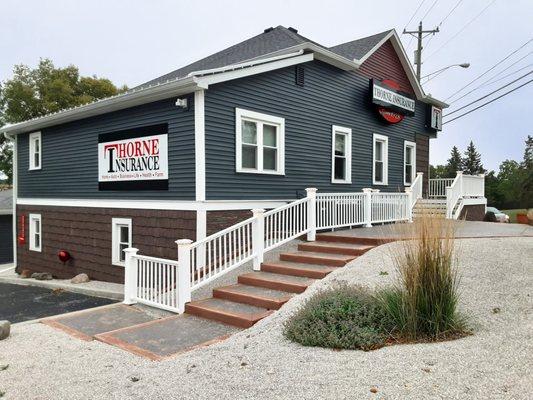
[(23, 303)]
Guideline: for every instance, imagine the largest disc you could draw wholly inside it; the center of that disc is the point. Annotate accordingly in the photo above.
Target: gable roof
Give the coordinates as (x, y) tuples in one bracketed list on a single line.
[(274, 48), (357, 49), (268, 42)]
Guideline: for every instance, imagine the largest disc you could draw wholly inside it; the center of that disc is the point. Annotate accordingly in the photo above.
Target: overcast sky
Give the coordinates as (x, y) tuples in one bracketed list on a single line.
[(132, 41)]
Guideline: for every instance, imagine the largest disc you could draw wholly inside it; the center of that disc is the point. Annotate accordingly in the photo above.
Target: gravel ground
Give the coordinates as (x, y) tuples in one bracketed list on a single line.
[(258, 363)]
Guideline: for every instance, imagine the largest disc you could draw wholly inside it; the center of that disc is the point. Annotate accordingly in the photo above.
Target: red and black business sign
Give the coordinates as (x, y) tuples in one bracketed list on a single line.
[(392, 104), (134, 159)]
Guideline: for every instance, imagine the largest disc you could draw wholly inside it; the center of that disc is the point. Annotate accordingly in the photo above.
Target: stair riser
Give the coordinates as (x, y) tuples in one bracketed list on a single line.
[(312, 260), (248, 299), (353, 240), (221, 317), (331, 249), (278, 269), (282, 286)]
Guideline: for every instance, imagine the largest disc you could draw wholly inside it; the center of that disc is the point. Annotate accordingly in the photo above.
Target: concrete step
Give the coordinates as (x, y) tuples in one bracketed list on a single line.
[(286, 283), (228, 312), (334, 260), (297, 269), (253, 295), (335, 248)]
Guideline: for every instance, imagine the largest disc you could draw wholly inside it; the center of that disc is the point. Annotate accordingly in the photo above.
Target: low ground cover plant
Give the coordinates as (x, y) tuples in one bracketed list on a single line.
[(421, 305)]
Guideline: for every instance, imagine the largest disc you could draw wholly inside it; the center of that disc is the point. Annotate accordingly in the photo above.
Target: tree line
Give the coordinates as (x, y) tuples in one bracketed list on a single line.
[(34, 92), (509, 188)]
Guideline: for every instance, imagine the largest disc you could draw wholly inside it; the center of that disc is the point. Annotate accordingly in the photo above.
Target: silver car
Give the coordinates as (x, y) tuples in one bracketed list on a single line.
[(501, 217)]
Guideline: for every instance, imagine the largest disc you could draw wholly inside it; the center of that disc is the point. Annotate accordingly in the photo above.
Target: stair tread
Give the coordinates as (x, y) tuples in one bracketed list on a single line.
[(340, 245), (296, 265), (257, 291), (279, 277), (315, 254), (240, 310)]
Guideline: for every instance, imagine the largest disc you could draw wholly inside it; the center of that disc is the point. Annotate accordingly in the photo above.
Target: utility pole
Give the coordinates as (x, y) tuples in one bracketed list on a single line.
[(419, 34)]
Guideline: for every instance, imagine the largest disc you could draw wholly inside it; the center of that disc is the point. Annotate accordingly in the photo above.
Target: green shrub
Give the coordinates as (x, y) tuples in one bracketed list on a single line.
[(341, 318), (424, 302)]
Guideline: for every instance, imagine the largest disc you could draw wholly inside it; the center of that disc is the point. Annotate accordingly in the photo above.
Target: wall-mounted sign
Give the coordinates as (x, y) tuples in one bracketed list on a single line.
[(135, 159), (390, 116), (386, 96), (435, 118)]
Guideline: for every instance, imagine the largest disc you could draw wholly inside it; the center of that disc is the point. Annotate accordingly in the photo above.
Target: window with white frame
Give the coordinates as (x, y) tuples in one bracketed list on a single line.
[(121, 239), (409, 162), (35, 150), (341, 155), (380, 160), (35, 232), (260, 143)]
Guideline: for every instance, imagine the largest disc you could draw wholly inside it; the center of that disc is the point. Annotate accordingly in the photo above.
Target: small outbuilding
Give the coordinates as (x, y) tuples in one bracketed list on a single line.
[(6, 226)]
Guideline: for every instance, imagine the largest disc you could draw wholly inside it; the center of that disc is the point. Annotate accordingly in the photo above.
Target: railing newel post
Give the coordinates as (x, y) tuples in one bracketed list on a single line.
[(311, 214), (409, 192), (368, 207), (184, 273), (130, 275), (258, 238)]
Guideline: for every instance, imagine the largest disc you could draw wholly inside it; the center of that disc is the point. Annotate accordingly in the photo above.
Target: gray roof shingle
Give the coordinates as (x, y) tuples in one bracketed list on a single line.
[(356, 49), (278, 38), (6, 200)]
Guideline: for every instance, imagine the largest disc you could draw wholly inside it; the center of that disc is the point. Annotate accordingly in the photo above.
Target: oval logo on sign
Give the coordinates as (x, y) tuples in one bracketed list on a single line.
[(390, 116)]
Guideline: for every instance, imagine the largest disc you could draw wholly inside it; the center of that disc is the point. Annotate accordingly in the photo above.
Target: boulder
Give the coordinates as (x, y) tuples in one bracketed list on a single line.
[(5, 328), (26, 273), (42, 276), (80, 278)]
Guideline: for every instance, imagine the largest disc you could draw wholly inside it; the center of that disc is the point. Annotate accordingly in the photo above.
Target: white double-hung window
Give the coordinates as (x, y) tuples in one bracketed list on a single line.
[(260, 143), (35, 232), (380, 160), (341, 155), (121, 239), (35, 150), (409, 162)]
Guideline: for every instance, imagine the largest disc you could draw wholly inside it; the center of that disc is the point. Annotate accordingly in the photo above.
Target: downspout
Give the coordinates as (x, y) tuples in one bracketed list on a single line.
[(13, 138)]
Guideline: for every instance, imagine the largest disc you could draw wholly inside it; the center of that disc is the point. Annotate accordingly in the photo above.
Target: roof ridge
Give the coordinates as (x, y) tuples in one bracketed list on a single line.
[(362, 38)]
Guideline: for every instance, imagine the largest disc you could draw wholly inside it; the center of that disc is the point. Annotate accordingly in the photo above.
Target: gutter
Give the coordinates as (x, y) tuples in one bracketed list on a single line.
[(125, 100)]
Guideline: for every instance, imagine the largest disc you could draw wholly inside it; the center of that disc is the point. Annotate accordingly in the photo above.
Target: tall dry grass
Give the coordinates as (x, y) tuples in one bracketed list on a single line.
[(424, 301)]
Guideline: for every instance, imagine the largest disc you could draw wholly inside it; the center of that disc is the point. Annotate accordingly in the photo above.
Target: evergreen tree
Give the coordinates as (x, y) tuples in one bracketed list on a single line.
[(454, 163), (472, 161)]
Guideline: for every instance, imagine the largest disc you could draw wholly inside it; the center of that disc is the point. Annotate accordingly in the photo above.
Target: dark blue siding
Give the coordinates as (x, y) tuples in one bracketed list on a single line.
[(70, 155), (330, 97)]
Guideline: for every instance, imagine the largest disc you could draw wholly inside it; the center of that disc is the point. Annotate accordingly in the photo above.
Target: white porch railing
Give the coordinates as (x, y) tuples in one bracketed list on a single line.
[(463, 187), (168, 284), (437, 187)]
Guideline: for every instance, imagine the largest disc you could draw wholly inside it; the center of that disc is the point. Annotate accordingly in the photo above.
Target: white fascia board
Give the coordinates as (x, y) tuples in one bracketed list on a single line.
[(213, 205), (205, 81), (374, 49), (119, 102), (7, 211)]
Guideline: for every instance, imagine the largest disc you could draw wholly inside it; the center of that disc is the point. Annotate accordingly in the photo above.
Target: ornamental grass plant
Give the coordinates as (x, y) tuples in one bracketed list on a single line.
[(424, 301)]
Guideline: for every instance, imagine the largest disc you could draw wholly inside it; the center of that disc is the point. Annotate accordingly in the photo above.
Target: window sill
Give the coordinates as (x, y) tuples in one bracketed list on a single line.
[(34, 169), (245, 171), (118, 264), (380, 183), (35, 250), (337, 182)]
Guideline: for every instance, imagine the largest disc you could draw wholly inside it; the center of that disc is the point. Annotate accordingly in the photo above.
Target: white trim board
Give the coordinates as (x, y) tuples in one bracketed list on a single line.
[(199, 144), (213, 205), (348, 156)]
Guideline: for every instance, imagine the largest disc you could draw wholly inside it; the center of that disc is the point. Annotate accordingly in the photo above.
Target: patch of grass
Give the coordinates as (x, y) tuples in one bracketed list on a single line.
[(512, 214), (341, 318), (424, 302)]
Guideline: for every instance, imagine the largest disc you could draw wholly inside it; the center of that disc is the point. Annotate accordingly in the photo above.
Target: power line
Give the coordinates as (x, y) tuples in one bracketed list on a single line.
[(488, 102), (444, 19), (429, 9), (410, 19), (491, 93), (509, 74), (461, 30), (489, 80), (490, 69)]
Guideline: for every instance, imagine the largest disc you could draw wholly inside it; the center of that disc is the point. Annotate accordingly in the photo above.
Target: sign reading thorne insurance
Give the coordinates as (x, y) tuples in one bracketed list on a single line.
[(390, 98), (136, 159)]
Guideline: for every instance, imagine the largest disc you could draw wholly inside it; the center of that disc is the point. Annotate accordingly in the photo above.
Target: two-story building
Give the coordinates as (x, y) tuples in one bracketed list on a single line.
[(193, 151)]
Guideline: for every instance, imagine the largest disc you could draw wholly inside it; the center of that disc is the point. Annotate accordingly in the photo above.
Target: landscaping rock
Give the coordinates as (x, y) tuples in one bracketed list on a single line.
[(80, 278), (26, 273), (42, 276), (5, 329)]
